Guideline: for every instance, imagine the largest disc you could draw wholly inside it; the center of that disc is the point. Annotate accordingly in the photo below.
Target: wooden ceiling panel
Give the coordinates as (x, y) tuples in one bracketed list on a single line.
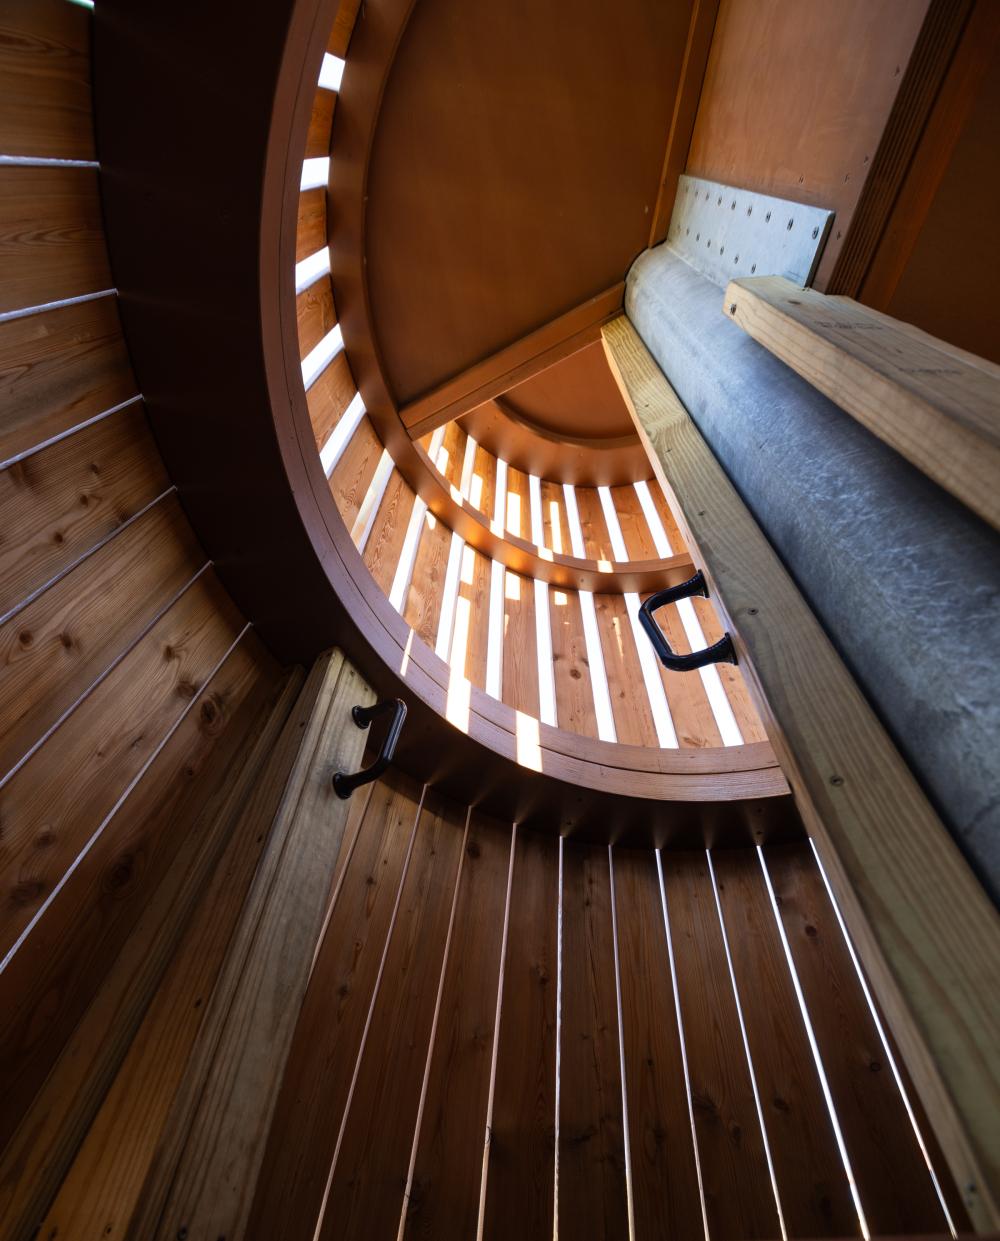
[(514, 171), (577, 398)]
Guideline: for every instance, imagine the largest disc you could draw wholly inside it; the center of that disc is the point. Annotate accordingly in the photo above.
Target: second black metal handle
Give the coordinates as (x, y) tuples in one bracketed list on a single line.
[(345, 784), (721, 652)]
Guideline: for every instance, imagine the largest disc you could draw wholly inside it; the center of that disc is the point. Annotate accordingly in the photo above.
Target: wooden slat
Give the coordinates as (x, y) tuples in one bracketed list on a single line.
[(474, 586), (517, 510), (896, 1191), (592, 1196), (520, 1168), (690, 710), (914, 908), (668, 520), (936, 405), (385, 542), (310, 235), (51, 236), (59, 368), (423, 599), (104, 946), (56, 504), (329, 396), (443, 1200), (45, 80), (366, 1193), (485, 466), (60, 797), (739, 1199), (320, 124), (315, 1090), (315, 313), (520, 645), (571, 669), (812, 1182), (452, 453), (629, 701), (554, 518), (733, 682), (52, 652), (355, 470), (596, 540), (633, 524), (343, 26), (666, 1198), (208, 1162)]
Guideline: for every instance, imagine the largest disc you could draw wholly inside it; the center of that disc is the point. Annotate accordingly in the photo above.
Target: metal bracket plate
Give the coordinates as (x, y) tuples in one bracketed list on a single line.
[(725, 232)]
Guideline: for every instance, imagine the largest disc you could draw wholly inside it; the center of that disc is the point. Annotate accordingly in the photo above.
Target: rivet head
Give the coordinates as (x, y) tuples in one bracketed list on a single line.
[(732, 309)]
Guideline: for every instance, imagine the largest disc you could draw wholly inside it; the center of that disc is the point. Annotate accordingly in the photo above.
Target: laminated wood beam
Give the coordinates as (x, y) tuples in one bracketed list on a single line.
[(935, 404), (926, 930)]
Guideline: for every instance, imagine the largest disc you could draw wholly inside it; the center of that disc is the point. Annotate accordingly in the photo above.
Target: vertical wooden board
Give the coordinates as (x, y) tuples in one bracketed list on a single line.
[(731, 676), (667, 518), (60, 797), (443, 1201), (629, 701), (632, 521), (51, 236), (521, 1153), (355, 470), (574, 691), (596, 540), (45, 80), (54, 649), (385, 543), (592, 1199), (517, 510), (320, 124), (310, 233), (474, 588), (896, 1191), (665, 1193), (483, 492), (330, 396), (812, 1183), (56, 504), (59, 368), (320, 1068), (554, 519), (739, 1199), (366, 1197), (423, 599), (520, 645), (343, 27), (451, 454), (315, 314), (76, 990), (690, 709)]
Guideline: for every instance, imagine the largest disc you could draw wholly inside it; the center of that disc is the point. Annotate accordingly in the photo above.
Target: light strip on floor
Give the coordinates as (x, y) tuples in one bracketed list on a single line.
[(885, 1043), (718, 700), (629, 1197), (814, 1046), (442, 646), (331, 72), (535, 504), (666, 734), (494, 637), (618, 548), (598, 672), (660, 540), (340, 436), (573, 521), (319, 358), (311, 269), (543, 644), (404, 566), (315, 173), (365, 519)]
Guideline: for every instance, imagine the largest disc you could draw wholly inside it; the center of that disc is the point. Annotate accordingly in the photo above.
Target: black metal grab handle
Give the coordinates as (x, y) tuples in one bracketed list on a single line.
[(721, 652), (344, 784)]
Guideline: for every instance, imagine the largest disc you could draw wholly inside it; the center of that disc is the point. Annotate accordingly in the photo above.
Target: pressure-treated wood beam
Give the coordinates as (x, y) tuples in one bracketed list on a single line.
[(926, 931), (936, 405), (528, 356)]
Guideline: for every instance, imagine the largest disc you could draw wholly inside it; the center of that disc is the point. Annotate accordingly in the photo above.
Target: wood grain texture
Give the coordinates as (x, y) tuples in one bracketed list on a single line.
[(328, 1038), (57, 504), (739, 1200), (343, 27), (54, 803), (629, 701), (443, 1201), (385, 543), (472, 615), (59, 368), (690, 710), (571, 669), (45, 80), (315, 314), (733, 682), (104, 946), (484, 492), (520, 645), (355, 470), (51, 236), (320, 123), (932, 403), (894, 1185), (913, 907), (521, 1143), (208, 1163), (812, 1182), (423, 599), (311, 234), (666, 1198), (554, 521), (329, 396), (57, 647), (596, 540), (369, 1177)]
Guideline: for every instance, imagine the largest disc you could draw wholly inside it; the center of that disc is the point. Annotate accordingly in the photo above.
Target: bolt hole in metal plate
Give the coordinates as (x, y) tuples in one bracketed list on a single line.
[(726, 233)]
